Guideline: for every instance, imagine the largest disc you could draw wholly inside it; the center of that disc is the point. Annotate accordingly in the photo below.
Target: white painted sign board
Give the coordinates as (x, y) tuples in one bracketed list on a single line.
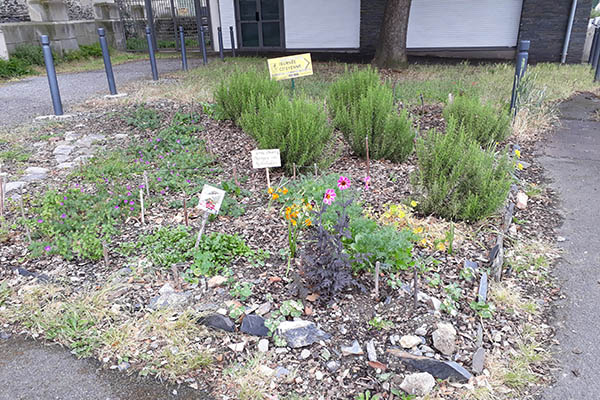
[(211, 199), (266, 158)]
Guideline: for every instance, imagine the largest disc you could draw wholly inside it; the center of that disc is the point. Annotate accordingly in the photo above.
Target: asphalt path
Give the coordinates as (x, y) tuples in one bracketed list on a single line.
[(26, 99), (572, 158)]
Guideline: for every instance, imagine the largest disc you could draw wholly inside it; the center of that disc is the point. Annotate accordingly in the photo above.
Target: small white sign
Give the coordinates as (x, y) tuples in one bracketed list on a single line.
[(266, 158), (211, 199)]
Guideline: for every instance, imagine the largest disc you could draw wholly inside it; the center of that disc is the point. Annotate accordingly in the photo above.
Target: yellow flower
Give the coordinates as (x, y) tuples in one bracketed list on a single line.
[(295, 214), (279, 190), (424, 242), (270, 190), (293, 221), (441, 246), (288, 210), (520, 166), (413, 203), (418, 229), (518, 153), (401, 214), (307, 222), (275, 196), (285, 191)]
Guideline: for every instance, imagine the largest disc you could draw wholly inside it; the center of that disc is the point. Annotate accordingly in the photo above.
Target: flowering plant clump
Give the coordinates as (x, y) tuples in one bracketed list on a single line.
[(297, 216)]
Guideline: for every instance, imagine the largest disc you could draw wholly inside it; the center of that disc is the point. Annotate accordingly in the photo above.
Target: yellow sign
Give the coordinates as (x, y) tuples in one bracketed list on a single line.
[(290, 67)]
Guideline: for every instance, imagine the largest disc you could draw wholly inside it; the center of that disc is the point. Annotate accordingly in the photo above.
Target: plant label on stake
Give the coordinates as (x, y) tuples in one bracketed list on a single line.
[(266, 159), (210, 201)]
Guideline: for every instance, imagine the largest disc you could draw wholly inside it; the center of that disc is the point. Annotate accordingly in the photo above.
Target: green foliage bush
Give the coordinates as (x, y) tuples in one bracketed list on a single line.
[(361, 106), (242, 92), (143, 118), (457, 178), (298, 128), (84, 52), (29, 53), (13, 68), (482, 121)]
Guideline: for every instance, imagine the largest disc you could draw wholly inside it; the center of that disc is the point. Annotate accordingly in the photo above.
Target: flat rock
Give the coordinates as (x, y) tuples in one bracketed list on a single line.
[(65, 165), (88, 140), (254, 325), (439, 369), (371, 351), (333, 365), (263, 309), (471, 264), (170, 300), (216, 281), (63, 150), (483, 288), (419, 384), (410, 341), (4, 335), (301, 333), (478, 360), (10, 186), (353, 350), (70, 136), (522, 200), (263, 345), (444, 338), (218, 321), (237, 347)]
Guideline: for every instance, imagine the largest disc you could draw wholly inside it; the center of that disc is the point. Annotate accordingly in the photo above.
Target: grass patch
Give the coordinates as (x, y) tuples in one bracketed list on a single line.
[(18, 155), (531, 259)]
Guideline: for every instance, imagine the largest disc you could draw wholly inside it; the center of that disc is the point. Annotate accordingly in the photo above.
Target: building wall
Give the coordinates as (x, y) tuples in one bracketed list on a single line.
[(371, 17), (13, 11), (544, 23)]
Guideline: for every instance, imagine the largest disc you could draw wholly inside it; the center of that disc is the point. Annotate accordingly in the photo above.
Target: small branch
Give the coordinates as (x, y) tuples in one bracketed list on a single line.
[(294, 176), (23, 216), (316, 170), (185, 212), (142, 206), (377, 280), (415, 287), (105, 254), (146, 184), (201, 231)]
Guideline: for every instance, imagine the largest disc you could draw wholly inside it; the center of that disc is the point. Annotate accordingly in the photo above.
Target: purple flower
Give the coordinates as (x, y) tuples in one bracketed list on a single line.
[(62, 204), (158, 139), (128, 187), (47, 248), (141, 186), (131, 202), (128, 193), (131, 208), (116, 207), (65, 198), (159, 179), (178, 141), (162, 192), (40, 221), (187, 180), (63, 216)]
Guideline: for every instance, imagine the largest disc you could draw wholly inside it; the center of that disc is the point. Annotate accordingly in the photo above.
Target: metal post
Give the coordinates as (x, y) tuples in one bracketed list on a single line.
[(220, 33), (174, 16), (107, 64), (184, 63), (563, 58), (520, 69), (596, 53), (597, 73), (593, 46), (152, 55), (232, 41), (203, 47), (150, 16), (51, 72)]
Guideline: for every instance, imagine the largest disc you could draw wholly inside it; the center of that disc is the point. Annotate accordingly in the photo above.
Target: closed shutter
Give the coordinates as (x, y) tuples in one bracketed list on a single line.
[(463, 23)]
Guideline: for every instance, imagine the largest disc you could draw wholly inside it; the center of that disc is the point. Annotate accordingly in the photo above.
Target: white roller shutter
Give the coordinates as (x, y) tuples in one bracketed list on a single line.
[(322, 24), (463, 23)]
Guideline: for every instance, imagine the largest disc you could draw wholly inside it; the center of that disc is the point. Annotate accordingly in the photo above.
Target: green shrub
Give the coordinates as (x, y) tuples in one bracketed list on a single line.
[(13, 68), (457, 178), (361, 106), (242, 92), (298, 128), (135, 43), (483, 122), (143, 118), (30, 54), (84, 52)]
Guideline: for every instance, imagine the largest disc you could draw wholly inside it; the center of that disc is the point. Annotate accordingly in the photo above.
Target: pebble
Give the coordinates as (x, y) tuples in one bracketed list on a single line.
[(422, 331), (333, 366), (419, 384), (371, 352), (410, 341), (353, 349), (124, 366), (304, 354), (263, 345), (444, 338), (319, 375), (281, 372)]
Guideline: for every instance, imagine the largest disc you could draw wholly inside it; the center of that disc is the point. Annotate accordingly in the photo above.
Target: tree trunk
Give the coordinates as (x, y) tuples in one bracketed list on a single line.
[(391, 49)]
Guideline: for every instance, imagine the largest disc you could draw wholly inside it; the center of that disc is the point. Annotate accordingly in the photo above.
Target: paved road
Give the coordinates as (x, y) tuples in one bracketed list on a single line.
[(34, 371), (573, 159), (24, 100)]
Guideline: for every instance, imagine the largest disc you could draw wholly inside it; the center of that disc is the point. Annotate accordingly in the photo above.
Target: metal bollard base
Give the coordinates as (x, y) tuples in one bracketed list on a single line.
[(115, 96)]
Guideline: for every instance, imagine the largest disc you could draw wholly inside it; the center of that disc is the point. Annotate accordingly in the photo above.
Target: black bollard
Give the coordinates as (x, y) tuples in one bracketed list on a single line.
[(593, 46), (232, 41), (596, 52), (520, 69), (52, 81), (220, 33), (107, 64), (152, 55), (203, 47), (184, 64)]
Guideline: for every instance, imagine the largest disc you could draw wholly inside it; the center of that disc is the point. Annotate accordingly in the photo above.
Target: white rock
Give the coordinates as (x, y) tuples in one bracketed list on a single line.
[(238, 347), (522, 200), (304, 354), (444, 338), (410, 341), (266, 371), (63, 150), (319, 375), (371, 352), (216, 281), (422, 331), (354, 349), (263, 345), (10, 186), (419, 384)]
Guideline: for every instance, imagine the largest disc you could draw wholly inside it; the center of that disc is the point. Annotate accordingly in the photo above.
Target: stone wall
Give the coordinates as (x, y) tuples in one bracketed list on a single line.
[(545, 24), (13, 11), (80, 10)]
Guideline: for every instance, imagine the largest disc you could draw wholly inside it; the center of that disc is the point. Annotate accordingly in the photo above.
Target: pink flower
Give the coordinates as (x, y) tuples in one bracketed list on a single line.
[(329, 196), (116, 207), (367, 181), (343, 183), (40, 221), (47, 248), (63, 216)]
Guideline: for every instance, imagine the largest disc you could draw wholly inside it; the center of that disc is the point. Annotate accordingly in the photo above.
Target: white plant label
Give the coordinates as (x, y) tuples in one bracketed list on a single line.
[(211, 199), (266, 158)]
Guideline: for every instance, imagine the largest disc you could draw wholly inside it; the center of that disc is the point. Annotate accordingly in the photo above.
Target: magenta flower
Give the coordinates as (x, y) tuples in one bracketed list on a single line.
[(329, 196), (116, 207), (367, 181), (62, 204), (343, 183), (131, 202), (63, 216), (47, 248), (40, 221), (159, 179), (131, 208), (128, 193)]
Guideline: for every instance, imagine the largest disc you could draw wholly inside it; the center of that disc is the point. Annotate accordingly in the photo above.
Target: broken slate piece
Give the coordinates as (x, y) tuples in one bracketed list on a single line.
[(371, 352), (478, 360), (254, 325), (10, 186), (483, 288), (301, 333), (471, 264), (439, 369), (218, 321), (354, 349)]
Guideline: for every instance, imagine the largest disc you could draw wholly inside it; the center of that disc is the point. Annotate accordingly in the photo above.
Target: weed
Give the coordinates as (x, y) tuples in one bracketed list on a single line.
[(15, 155), (484, 310), (242, 290), (143, 118), (380, 323)]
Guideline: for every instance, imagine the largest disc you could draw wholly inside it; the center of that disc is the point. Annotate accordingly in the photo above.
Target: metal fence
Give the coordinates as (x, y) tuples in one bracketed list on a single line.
[(168, 16)]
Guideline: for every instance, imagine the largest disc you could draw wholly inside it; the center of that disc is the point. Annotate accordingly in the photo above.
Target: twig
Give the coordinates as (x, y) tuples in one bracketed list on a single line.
[(23, 216), (185, 211), (235, 177), (316, 170), (415, 287), (367, 149), (146, 184), (1, 195), (105, 254), (176, 276), (377, 280), (142, 206), (294, 176), (201, 231)]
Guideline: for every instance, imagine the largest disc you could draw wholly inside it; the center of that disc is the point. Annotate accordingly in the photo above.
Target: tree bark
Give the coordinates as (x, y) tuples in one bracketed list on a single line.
[(391, 49)]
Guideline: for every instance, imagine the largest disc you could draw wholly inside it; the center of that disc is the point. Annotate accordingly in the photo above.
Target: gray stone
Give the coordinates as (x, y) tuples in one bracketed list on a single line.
[(422, 331), (121, 136), (10, 186), (478, 360), (371, 352), (332, 366), (444, 338), (280, 372), (483, 288), (63, 150), (263, 309), (254, 325), (479, 339), (61, 158), (354, 349), (471, 264), (88, 140), (304, 354), (218, 321), (439, 369), (419, 384), (124, 366), (410, 341), (168, 298), (4, 335), (81, 159), (300, 333), (65, 165), (263, 345), (70, 136)]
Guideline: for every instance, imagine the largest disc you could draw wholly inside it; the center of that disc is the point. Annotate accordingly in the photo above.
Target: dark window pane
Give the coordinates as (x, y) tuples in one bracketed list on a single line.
[(270, 9), (250, 35), (248, 10), (271, 36)]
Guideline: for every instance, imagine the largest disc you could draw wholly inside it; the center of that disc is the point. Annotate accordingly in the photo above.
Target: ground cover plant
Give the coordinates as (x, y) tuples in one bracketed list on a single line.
[(357, 250)]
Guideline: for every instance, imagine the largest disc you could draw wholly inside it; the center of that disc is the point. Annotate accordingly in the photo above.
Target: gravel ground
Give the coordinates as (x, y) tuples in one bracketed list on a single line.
[(24, 100)]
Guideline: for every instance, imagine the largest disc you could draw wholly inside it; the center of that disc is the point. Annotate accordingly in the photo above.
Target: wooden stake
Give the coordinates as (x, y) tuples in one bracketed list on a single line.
[(235, 177), (368, 161), (176, 277), (268, 179), (185, 212), (316, 170), (201, 231), (1, 195), (105, 254), (142, 206), (23, 215), (146, 184), (294, 177), (377, 280), (415, 287)]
